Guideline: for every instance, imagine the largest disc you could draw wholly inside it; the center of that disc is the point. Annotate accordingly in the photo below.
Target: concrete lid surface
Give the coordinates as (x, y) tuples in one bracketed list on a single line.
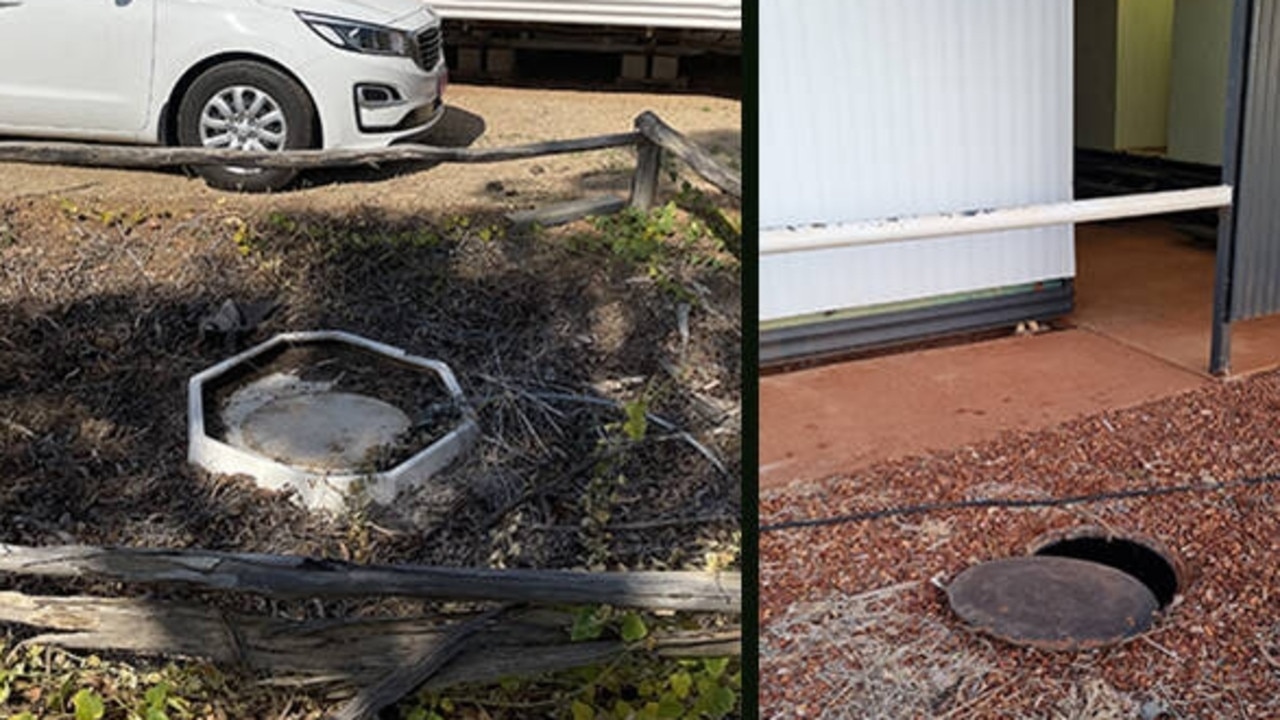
[(330, 432)]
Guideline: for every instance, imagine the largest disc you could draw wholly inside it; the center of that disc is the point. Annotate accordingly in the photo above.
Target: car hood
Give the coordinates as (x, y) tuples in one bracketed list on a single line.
[(382, 12)]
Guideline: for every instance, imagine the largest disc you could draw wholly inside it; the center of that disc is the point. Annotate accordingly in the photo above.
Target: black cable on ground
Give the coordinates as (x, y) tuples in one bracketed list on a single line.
[(926, 508)]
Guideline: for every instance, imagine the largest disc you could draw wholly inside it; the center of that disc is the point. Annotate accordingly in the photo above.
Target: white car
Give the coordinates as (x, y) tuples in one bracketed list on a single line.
[(243, 74)]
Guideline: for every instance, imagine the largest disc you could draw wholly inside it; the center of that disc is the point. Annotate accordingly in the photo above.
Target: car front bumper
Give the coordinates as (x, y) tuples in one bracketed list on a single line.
[(366, 101)]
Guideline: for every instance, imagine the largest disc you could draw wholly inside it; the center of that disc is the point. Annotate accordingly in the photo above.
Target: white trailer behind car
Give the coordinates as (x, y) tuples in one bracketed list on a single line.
[(689, 14), (650, 35)]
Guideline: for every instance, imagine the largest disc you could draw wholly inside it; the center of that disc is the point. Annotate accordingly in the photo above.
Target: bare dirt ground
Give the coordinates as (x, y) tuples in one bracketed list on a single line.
[(855, 623), (105, 275)]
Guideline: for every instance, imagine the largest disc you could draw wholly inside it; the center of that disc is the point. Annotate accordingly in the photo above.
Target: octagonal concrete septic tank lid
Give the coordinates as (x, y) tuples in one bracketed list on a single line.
[(290, 434)]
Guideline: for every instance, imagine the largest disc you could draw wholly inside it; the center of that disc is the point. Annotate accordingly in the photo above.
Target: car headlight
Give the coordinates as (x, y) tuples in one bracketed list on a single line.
[(358, 36)]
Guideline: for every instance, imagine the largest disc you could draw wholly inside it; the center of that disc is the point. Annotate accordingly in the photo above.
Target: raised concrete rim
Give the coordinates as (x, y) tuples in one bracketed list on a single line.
[(313, 489)]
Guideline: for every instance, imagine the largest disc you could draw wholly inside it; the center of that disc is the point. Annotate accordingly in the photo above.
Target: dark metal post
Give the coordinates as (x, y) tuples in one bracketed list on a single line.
[(1233, 145), (1220, 341)]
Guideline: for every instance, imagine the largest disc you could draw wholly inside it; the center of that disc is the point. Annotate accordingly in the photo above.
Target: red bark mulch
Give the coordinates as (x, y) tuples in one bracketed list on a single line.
[(855, 624)]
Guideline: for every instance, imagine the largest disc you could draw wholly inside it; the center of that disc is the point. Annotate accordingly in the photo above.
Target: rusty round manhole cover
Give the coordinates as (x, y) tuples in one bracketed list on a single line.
[(1052, 602)]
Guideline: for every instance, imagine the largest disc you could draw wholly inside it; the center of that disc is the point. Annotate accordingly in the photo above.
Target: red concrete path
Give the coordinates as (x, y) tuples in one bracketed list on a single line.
[(1143, 301), (838, 418)]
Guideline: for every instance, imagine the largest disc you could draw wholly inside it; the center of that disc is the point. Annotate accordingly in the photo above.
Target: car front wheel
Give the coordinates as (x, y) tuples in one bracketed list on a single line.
[(246, 105)]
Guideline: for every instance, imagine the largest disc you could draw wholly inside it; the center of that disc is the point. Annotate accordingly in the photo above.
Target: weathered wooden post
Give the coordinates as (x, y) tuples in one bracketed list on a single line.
[(660, 136), (644, 186)]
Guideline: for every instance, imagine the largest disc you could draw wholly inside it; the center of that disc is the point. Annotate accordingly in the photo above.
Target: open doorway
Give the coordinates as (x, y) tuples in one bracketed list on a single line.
[(1151, 112)]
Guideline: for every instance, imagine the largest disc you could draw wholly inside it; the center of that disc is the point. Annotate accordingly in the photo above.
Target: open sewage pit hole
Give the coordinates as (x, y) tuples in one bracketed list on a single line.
[(1075, 590), (1146, 563)]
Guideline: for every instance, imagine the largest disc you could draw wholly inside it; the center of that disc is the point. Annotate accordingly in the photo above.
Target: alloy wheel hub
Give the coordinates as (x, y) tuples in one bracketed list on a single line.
[(243, 118)]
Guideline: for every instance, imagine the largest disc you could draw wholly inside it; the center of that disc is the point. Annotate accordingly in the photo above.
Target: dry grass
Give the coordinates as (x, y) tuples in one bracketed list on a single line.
[(870, 655), (550, 334), (100, 335), (876, 660)]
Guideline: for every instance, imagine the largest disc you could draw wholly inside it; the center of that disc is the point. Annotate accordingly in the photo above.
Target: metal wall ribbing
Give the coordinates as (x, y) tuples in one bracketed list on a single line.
[(880, 108)]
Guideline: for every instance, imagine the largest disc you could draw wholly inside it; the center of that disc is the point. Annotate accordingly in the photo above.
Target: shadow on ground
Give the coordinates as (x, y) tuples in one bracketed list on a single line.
[(457, 128), (95, 356)]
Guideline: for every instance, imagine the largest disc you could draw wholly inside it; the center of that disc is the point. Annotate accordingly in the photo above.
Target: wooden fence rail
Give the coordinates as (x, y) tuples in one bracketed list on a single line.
[(652, 136), (294, 576), (381, 658), (154, 158), (352, 652)]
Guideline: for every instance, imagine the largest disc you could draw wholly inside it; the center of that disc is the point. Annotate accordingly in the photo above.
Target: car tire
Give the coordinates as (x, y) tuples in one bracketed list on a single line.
[(246, 105)]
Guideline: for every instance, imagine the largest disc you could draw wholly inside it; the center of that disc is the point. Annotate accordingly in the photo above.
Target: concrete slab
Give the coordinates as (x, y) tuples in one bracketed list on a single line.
[(1147, 285), (839, 418)]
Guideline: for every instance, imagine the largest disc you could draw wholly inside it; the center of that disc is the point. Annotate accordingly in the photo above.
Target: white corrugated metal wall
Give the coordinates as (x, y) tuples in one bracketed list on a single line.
[(692, 14), (882, 108)]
